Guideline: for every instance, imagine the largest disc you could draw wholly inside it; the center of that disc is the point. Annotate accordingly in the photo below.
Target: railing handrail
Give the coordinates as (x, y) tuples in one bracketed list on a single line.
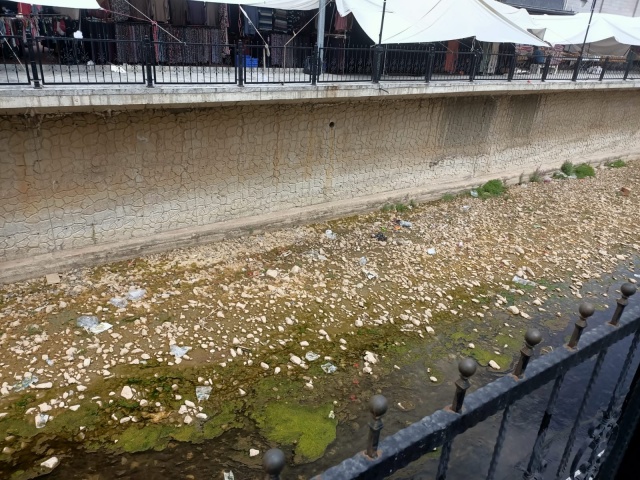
[(420, 438)]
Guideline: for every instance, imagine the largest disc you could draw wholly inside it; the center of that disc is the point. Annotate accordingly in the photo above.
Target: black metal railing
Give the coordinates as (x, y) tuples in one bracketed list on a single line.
[(72, 61), (594, 444)]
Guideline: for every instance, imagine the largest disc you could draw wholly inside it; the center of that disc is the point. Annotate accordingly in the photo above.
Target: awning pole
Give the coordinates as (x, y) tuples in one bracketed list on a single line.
[(593, 7), (384, 9)]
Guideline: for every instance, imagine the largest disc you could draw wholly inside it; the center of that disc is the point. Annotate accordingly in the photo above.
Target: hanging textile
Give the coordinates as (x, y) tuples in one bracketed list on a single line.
[(212, 14), (121, 10), (280, 20), (160, 10), (178, 10), (265, 19), (140, 8), (451, 58), (224, 28), (196, 13), (252, 13)]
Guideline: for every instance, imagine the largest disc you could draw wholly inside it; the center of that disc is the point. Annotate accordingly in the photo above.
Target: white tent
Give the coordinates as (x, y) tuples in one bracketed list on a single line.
[(89, 4), (608, 34), (418, 21)]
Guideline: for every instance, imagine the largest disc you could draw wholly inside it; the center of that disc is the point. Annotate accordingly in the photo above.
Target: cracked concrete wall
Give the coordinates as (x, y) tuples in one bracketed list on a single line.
[(82, 179)]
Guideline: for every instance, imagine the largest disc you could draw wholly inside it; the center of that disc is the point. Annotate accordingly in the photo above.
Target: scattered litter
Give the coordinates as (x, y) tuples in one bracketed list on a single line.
[(52, 278), (330, 235), (90, 63), (474, 193), (363, 261), (25, 383), (118, 302), (523, 281), (178, 352), (431, 251), (202, 393), (228, 475), (381, 237), (404, 223), (136, 294), (465, 208), (371, 275), (87, 321), (328, 367), (101, 327), (41, 420), (332, 415), (315, 255), (311, 356)]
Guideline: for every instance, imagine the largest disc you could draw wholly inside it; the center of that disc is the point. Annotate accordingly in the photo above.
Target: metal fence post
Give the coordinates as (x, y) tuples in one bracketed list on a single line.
[(149, 58), (630, 59), (240, 63), (314, 66), (586, 310), (604, 68), (512, 67), (377, 64), (474, 64), (430, 59), (532, 338), (32, 60), (273, 463), (378, 406), (576, 70), (466, 367), (547, 65), (627, 290)]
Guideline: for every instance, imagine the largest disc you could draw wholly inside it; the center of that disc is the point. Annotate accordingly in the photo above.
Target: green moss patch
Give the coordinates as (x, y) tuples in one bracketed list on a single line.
[(144, 437), (308, 428)]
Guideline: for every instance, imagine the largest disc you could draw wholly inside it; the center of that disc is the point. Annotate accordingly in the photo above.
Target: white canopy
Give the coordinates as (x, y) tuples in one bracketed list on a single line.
[(418, 21), (608, 33), (88, 4)]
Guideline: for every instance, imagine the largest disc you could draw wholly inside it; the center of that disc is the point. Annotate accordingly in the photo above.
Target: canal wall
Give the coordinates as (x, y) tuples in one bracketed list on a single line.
[(88, 185)]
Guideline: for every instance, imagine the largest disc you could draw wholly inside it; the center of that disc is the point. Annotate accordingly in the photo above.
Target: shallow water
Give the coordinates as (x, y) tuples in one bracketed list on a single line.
[(417, 397)]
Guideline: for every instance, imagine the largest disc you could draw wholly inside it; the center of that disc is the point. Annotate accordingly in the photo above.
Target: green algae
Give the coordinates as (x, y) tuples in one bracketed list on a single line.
[(308, 428), (140, 438)]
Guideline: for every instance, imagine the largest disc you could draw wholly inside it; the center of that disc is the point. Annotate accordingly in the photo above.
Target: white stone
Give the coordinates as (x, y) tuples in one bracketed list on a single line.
[(471, 345), (358, 323), (253, 452), (272, 273), (52, 463), (189, 404), (52, 278), (264, 365), (74, 408), (126, 392), (188, 419), (295, 359), (430, 330), (304, 343), (295, 269), (371, 357), (433, 379), (242, 392), (493, 364), (513, 310), (277, 370), (201, 416), (44, 385)]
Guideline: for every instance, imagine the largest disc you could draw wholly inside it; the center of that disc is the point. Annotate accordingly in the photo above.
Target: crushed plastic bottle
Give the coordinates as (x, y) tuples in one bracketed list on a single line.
[(25, 383), (465, 208), (118, 302), (228, 475), (329, 367), (431, 251), (405, 224), (87, 321), (523, 281), (474, 193), (41, 420), (363, 261), (177, 351), (311, 356), (202, 393), (101, 327), (330, 235), (136, 294)]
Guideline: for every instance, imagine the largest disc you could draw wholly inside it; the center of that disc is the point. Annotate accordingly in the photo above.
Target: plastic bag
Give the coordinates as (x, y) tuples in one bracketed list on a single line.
[(118, 302), (202, 393), (136, 294), (87, 321), (311, 356), (523, 281), (101, 327), (178, 352), (330, 235), (328, 367), (25, 383)]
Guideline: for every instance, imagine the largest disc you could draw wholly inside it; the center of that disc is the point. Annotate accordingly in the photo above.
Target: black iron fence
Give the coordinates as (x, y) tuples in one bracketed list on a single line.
[(592, 446), (70, 61)]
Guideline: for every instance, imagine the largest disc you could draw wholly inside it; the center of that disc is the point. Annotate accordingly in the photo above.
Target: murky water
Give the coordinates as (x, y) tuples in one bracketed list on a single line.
[(411, 397)]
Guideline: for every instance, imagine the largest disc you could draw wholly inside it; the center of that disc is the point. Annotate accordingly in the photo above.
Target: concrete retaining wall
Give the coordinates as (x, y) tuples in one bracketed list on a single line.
[(95, 186)]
